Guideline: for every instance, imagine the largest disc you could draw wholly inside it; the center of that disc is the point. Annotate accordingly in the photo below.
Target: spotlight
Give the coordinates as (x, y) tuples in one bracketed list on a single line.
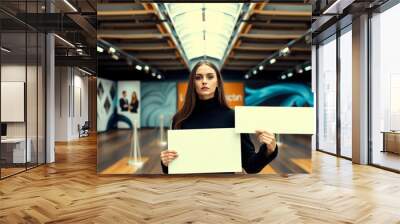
[(146, 68), (307, 68), (272, 61), (300, 71), (115, 57), (283, 77), (247, 76), (5, 49), (100, 49), (290, 74), (158, 76), (254, 72), (153, 74), (138, 67), (111, 50), (285, 51), (261, 67)]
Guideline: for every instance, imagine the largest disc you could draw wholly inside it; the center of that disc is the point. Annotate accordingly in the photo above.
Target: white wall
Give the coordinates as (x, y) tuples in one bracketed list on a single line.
[(12, 73), (71, 94), (33, 126)]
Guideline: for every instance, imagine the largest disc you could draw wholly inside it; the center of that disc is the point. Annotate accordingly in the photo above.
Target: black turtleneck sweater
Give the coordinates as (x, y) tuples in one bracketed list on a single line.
[(210, 114)]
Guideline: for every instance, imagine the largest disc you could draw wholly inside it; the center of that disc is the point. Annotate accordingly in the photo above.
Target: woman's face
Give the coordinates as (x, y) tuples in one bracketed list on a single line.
[(206, 82)]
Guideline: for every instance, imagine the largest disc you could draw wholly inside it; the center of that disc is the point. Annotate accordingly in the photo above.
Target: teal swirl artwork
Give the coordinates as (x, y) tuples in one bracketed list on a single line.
[(282, 94), (157, 99)]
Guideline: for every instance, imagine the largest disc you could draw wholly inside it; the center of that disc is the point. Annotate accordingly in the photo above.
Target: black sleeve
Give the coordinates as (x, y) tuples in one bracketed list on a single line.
[(253, 162), (164, 168)]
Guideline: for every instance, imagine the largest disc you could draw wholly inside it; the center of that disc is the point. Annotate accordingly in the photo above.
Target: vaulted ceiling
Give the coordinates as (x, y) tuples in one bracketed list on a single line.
[(170, 37)]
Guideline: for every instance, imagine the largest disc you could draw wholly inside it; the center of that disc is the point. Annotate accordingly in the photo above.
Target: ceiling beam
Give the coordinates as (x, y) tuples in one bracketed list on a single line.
[(243, 30), (163, 30), (155, 56), (130, 36), (144, 47), (287, 26), (283, 13), (271, 36), (271, 48), (125, 12), (166, 63)]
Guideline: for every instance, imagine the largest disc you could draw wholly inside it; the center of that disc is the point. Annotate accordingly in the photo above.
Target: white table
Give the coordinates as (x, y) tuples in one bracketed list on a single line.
[(18, 145)]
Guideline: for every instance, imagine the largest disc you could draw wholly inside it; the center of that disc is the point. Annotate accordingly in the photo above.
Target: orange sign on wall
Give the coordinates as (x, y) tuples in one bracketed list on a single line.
[(234, 93)]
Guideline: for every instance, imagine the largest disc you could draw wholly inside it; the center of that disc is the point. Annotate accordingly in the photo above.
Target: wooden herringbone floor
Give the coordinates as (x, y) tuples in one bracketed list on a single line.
[(70, 191)]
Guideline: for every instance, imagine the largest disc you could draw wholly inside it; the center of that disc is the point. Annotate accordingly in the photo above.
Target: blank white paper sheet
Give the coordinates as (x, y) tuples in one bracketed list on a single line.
[(278, 120), (205, 151)]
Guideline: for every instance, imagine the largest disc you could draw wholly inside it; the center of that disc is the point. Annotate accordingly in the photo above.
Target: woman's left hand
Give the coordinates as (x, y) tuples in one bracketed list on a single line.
[(268, 139)]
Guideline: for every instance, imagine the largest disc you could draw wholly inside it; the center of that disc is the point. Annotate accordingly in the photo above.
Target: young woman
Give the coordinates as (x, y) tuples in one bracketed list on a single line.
[(134, 103), (205, 107)]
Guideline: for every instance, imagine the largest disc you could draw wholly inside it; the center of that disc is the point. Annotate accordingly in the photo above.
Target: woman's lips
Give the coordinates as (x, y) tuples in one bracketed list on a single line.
[(204, 88)]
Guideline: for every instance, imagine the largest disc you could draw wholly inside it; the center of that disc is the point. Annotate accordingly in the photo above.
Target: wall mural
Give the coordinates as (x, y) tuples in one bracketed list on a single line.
[(105, 103), (281, 94), (157, 99)]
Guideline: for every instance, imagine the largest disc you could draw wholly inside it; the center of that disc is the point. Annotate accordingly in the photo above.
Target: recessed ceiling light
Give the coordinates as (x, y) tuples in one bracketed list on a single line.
[(285, 51), (111, 50), (115, 57), (138, 67), (272, 61), (100, 49)]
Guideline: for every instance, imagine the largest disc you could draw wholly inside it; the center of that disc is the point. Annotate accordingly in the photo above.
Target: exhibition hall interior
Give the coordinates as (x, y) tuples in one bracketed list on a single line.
[(89, 90)]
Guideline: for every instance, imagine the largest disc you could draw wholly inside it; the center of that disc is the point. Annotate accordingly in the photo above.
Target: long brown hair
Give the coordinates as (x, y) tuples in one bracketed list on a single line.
[(134, 97), (191, 95)]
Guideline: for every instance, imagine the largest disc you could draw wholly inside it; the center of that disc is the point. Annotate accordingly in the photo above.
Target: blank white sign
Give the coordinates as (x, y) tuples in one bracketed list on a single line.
[(12, 101), (205, 151), (278, 120)]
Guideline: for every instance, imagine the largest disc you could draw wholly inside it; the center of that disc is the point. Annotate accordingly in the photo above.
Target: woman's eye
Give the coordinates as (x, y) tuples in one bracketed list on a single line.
[(197, 77), (210, 77)]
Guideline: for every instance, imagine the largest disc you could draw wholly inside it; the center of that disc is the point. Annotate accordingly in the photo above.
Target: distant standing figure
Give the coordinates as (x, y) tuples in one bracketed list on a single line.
[(134, 103), (123, 102)]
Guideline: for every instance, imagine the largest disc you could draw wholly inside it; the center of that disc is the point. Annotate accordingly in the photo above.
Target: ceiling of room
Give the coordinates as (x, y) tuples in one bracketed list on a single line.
[(170, 37)]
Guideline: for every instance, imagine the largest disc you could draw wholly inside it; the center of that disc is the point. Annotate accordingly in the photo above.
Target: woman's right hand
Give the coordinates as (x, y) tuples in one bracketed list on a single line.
[(168, 156)]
